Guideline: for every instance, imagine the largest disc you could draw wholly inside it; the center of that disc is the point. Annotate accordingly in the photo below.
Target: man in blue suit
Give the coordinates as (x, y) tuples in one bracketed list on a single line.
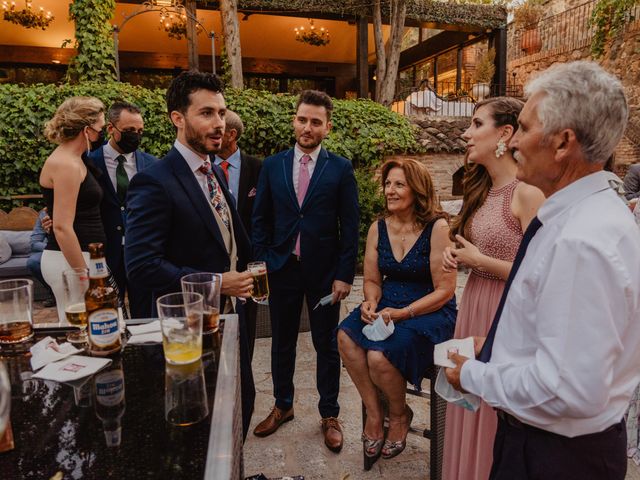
[(119, 160), (305, 226), (181, 217)]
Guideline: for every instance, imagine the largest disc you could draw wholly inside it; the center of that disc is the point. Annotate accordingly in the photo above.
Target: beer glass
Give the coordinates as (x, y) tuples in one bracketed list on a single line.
[(185, 394), (207, 285), (5, 398), (76, 284), (181, 324), (16, 310), (260, 291)]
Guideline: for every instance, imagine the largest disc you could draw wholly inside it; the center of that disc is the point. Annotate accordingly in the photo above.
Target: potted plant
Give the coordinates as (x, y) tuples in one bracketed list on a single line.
[(485, 70), (526, 17)]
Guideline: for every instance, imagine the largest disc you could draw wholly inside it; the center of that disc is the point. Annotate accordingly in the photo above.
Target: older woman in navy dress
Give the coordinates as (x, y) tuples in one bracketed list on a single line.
[(404, 283)]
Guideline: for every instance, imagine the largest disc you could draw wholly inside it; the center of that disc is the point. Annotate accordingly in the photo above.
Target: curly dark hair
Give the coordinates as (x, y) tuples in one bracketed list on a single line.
[(181, 88), (317, 98)]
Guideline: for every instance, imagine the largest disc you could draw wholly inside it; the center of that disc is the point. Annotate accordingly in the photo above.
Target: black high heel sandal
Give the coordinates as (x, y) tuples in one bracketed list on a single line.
[(393, 449)]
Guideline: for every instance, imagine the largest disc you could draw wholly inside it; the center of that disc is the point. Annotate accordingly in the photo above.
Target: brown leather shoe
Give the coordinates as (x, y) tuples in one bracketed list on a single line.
[(273, 421), (332, 433)]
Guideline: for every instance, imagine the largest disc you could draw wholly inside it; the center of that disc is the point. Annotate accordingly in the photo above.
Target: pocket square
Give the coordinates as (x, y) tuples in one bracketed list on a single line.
[(252, 192)]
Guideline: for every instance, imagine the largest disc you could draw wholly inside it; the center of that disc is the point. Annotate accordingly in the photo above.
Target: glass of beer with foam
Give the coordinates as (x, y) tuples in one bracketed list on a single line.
[(16, 310), (76, 284), (260, 291)]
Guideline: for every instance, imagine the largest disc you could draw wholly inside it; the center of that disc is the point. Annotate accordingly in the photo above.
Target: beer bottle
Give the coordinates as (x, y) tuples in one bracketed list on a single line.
[(102, 306), (110, 401)]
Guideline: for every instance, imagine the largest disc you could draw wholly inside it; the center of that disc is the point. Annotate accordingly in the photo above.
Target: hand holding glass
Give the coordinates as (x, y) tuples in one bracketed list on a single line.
[(260, 291), (207, 285), (181, 324), (76, 284)]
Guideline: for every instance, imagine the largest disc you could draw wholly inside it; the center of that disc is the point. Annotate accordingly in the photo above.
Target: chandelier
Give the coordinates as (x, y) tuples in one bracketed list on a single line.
[(27, 17), (317, 38), (175, 25)]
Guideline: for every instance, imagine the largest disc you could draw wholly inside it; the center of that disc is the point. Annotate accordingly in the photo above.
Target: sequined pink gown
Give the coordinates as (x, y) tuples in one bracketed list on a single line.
[(468, 445)]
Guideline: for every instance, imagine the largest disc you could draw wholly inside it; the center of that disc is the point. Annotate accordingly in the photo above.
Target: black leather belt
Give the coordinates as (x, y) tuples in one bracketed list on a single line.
[(514, 422)]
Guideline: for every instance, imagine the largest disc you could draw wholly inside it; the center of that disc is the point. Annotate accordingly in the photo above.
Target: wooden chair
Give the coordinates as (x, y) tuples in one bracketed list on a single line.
[(435, 432)]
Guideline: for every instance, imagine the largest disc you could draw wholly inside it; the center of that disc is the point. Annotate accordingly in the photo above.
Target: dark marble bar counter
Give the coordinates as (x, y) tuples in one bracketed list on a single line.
[(112, 425)]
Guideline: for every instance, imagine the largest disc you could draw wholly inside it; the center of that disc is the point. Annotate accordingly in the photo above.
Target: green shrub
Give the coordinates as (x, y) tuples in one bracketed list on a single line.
[(371, 203), (363, 130)]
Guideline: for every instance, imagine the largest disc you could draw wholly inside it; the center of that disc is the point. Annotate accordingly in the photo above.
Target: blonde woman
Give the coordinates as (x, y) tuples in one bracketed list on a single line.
[(71, 192)]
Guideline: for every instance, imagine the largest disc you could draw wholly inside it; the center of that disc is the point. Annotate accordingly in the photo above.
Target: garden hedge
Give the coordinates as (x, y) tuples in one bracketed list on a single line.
[(364, 131)]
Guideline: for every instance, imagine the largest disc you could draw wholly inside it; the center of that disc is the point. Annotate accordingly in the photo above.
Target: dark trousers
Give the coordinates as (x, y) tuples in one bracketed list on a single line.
[(523, 452), (140, 301), (288, 289), (251, 313), (247, 386)]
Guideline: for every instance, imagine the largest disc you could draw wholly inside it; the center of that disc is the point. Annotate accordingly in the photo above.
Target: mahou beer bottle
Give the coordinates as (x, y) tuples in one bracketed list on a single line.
[(102, 306)]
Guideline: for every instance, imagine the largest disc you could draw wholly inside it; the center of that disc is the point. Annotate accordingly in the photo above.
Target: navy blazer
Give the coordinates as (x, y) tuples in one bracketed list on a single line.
[(171, 230), (114, 216), (328, 219)]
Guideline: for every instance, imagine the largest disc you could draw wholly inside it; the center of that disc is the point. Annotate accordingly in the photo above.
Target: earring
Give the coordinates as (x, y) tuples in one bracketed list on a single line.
[(501, 147)]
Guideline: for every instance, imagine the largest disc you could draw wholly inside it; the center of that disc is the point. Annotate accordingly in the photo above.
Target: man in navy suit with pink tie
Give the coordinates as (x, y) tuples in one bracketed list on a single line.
[(305, 226)]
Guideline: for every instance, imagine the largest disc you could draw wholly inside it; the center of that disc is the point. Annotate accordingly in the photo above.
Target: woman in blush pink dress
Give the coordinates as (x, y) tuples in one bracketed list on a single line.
[(496, 210)]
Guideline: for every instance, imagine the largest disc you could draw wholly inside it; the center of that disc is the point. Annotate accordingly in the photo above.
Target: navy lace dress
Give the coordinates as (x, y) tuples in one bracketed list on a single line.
[(410, 348)]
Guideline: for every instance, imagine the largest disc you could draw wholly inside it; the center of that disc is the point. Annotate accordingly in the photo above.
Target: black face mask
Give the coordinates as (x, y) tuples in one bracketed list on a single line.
[(97, 143), (129, 141)]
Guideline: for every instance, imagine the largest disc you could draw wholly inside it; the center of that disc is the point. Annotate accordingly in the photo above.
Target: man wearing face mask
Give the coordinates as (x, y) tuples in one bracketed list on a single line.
[(119, 160)]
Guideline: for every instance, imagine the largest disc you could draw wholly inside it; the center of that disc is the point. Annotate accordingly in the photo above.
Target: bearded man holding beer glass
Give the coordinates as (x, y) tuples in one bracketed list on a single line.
[(181, 216), (305, 227)]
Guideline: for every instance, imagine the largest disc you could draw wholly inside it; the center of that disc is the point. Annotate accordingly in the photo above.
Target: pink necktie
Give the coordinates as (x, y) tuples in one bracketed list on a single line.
[(303, 186)]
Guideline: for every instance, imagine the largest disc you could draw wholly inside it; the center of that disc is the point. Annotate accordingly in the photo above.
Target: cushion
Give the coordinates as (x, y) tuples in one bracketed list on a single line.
[(15, 267), (5, 249), (20, 242)]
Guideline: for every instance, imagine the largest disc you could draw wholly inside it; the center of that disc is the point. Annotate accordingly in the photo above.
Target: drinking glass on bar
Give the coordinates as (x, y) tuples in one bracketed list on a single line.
[(76, 284), (207, 285), (181, 324), (5, 398), (260, 291), (16, 310)]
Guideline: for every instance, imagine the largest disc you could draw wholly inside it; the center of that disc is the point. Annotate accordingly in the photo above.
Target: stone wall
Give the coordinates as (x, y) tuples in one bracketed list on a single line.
[(622, 58)]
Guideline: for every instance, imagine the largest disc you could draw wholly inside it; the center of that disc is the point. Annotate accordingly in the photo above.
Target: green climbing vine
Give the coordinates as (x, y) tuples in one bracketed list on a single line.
[(608, 18), (95, 60)]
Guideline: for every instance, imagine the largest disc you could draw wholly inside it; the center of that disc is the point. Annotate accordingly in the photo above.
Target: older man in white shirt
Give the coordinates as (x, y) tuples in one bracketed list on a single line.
[(563, 356)]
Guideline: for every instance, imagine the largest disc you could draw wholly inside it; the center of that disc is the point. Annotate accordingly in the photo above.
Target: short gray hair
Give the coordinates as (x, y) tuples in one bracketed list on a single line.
[(234, 122), (585, 98)]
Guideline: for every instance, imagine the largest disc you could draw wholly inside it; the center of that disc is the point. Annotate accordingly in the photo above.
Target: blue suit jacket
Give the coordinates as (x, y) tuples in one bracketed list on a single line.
[(171, 230), (114, 218), (327, 220)]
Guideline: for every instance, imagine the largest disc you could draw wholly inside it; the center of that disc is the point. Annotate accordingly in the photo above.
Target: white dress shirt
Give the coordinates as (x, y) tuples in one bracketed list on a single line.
[(110, 154), (297, 155), (194, 161), (566, 356)]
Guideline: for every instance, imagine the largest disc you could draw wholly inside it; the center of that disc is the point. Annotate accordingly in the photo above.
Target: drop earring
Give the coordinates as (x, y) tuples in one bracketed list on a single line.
[(501, 147)]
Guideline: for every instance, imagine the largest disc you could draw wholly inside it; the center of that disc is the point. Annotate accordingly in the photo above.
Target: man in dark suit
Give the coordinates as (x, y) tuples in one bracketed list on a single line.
[(305, 226), (119, 160), (181, 216), (241, 171)]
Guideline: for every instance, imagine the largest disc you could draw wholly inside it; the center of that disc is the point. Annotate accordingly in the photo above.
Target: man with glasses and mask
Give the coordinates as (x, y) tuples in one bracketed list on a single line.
[(119, 160)]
